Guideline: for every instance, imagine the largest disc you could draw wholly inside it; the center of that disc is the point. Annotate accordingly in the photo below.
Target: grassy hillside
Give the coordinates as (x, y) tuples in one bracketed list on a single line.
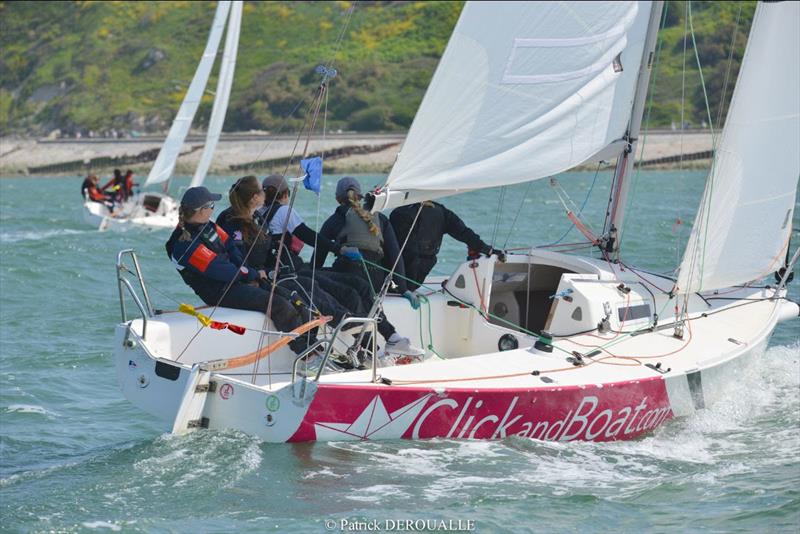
[(126, 65)]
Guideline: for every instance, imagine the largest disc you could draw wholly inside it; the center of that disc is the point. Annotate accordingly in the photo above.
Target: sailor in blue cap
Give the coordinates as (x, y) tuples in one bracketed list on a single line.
[(210, 263)]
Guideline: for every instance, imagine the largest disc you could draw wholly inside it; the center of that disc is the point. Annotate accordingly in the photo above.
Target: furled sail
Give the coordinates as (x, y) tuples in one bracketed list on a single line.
[(742, 229), (524, 90), (223, 94), (165, 162)]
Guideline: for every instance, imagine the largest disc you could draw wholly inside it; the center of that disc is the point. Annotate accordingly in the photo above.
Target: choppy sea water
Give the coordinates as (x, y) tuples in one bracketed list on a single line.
[(75, 456)]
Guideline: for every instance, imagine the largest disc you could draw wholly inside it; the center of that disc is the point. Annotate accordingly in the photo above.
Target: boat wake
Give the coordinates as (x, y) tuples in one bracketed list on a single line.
[(727, 440)]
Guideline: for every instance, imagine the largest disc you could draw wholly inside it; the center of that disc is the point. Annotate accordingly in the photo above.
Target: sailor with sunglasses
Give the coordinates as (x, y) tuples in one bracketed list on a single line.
[(210, 263)]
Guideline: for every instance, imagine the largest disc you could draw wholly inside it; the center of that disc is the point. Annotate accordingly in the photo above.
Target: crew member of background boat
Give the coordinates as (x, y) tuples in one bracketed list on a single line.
[(211, 264), (91, 191), (433, 222), (116, 185), (373, 236), (127, 189)]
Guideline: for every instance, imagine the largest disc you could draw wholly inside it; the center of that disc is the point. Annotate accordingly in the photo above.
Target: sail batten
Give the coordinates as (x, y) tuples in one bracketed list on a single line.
[(742, 229), (165, 162), (523, 91)]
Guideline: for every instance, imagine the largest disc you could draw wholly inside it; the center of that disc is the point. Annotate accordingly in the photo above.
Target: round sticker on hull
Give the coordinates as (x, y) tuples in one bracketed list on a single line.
[(273, 403), (226, 391)]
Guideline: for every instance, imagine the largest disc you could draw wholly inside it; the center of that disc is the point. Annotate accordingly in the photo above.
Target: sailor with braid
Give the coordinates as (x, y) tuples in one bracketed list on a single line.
[(211, 264), (354, 227)]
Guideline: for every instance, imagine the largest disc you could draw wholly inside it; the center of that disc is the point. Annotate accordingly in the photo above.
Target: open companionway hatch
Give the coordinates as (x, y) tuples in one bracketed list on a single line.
[(522, 294)]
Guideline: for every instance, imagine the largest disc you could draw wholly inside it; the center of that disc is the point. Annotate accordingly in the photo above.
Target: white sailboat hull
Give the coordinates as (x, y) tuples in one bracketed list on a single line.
[(144, 210), (473, 391)]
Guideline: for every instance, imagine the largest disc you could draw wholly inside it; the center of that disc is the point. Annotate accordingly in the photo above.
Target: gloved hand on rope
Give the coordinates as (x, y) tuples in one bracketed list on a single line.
[(501, 254), (488, 251), (351, 253), (412, 299)]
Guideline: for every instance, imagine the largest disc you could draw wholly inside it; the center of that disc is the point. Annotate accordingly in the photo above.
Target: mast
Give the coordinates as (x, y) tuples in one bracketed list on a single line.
[(626, 159)]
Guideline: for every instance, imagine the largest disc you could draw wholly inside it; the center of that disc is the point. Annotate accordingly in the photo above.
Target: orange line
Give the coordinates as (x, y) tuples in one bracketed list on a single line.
[(254, 356)]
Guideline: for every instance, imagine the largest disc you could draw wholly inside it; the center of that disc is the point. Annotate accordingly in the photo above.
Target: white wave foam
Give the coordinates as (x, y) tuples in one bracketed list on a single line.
[(376, 493), (96, 525), (200, 456), (28, 408), (14, 237), (324, 472)]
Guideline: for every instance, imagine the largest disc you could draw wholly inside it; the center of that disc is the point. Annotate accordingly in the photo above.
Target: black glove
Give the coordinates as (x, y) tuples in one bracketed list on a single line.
[(488, 251), (501, 255), (369, 201)]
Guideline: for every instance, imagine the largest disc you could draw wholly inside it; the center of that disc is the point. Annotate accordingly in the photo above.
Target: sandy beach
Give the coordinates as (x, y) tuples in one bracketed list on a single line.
[(19, 156)]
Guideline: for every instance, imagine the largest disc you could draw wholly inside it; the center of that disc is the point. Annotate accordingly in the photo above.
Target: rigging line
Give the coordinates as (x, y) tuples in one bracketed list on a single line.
[(340, 38), (226, 289), (311, 124), (580, 210), (306, 127), (693, 255), (624, 335), (594, 361), (514, 222), (608, 204), (123, 267), (377, 301), (694, 247), (337, 46), (646, 129), (729, 68), (325, 78), (712, 172), (319, 194), (228, 285), (644, 281), (500, 199), (683, 85), (467, 304)]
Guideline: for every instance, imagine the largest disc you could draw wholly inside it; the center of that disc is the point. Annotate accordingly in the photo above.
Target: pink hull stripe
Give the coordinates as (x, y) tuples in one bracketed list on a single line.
[(623, 410)]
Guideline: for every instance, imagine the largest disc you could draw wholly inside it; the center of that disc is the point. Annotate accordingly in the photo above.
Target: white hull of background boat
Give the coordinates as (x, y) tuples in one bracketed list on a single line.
[(473, 391), (144, 210)]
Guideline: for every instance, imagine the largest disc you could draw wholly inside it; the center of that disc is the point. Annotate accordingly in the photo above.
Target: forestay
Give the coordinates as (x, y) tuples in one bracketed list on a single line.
[(165, 162), (742, 229), (524, 90), (222, 97)]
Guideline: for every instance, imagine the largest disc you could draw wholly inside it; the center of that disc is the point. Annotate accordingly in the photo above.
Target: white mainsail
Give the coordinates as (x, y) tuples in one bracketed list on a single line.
[(524, 90), (165, 162), (223, 94), (741, 232)]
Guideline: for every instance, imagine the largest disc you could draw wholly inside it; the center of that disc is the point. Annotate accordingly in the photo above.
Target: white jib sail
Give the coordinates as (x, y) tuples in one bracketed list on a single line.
[(741, 232), (165, 162), (524, 90), (223, 94)]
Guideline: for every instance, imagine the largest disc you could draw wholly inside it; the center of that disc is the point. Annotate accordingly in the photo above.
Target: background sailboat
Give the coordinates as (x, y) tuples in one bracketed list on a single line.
[(158, 209)]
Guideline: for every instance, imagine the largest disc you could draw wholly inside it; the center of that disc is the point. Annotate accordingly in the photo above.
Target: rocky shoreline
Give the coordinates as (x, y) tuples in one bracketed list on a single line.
[(354, 153)]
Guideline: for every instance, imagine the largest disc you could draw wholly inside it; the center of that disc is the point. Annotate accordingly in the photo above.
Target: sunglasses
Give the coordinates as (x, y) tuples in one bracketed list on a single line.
[(207, 206)]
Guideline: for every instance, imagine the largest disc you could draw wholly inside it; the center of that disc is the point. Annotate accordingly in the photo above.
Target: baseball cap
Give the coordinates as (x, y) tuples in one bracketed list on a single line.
[(195, 197)]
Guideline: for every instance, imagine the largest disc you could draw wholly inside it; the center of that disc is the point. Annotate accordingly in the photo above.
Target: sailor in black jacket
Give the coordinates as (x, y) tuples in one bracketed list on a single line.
[(433, 222)]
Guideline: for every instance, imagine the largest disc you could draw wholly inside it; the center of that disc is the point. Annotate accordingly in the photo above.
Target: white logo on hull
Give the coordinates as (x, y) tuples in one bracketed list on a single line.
[(583, 423)]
